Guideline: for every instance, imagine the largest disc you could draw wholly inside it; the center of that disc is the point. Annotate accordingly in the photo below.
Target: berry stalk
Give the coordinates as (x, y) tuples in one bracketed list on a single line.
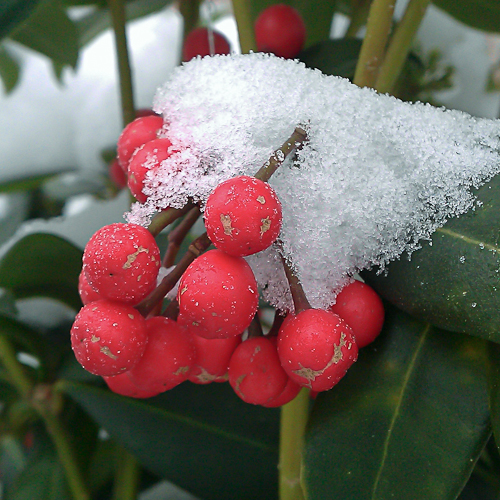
[(296, 140), (177, 235), (242, 14), (198, 246), (162, 219), (299, 298)]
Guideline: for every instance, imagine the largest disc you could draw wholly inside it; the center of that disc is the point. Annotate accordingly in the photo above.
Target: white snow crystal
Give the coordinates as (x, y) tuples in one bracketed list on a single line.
[(375, 177)]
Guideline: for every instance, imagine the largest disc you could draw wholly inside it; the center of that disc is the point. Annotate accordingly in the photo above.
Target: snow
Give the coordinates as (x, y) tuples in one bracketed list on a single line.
[(375, 177)]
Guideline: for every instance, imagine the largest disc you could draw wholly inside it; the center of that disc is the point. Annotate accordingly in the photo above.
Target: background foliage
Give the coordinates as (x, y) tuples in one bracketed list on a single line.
[(412, 419)]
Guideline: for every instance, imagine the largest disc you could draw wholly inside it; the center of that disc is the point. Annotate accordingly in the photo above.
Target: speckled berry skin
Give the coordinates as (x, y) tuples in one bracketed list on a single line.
[(281, 30), (135, 134), (255, 372), (316, 348), (148, 157), (243, 216), (362, 309), (168, 357), (86, 292), (121, 384), (108, 338), (121, 262), (218, 295), (212, 358), (197, 43)]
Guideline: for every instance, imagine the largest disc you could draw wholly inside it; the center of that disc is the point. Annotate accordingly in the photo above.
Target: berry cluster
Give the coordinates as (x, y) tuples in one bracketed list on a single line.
[(210, 331)]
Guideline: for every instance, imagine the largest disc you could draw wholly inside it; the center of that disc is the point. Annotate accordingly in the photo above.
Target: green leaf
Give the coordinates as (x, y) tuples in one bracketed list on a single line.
[(43, 265), (408, 421), (317, 16), (333, 57), (9, 70), (202, 432), (27, 183), (480, 14), (454, 283), (51, 32), (12, 12), (494, 389), (42, 478)]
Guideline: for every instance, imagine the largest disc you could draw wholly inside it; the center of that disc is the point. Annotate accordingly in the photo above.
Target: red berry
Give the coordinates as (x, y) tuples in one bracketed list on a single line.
[(168, 357), (87, 293), (212, 358), (197, 43), (362, 309), (117, 174), (135, 134), (255, 372), (108, 338), (316, 348), (148, 157), (288, 394), (121, 384), (218, 295), (243, 216), (121, 262), (280, 29)]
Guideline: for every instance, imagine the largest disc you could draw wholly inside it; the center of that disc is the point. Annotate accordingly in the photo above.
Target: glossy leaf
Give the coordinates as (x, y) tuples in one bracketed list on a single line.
[(317, 16), (454, 283), (480, 14), (494, 390), (409, 419), (336, 57), (42, 265), (9, 70), (13, 12), (50, 31), (202, 438)]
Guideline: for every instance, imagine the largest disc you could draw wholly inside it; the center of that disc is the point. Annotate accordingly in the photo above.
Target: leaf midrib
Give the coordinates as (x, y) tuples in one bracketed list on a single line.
[(395, 416), (467, 239)]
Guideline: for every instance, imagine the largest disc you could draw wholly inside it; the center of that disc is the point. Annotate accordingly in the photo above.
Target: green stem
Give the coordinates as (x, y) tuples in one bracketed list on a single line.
[(358, 18), (294, 417), (117, 10), (15, 370), (243, 16), (400, 44), (126, 477), (66, 454), (373, 48), (164, 218)]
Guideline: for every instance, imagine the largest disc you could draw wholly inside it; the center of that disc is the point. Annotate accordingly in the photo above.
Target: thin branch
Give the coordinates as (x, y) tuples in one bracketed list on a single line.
[(164, 218), (242, 14), (373, 48), (400, 45), (117, 10)]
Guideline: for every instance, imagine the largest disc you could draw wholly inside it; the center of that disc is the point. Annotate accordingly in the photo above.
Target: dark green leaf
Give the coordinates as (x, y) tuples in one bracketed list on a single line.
[(12, 12), (494, 390), (9, 70), (42, 265), (42, 478), (455, 283), (333, 57), (317, 16), (202, 438), (26, 183), (408, 421), (480, 14), (50, 31)]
